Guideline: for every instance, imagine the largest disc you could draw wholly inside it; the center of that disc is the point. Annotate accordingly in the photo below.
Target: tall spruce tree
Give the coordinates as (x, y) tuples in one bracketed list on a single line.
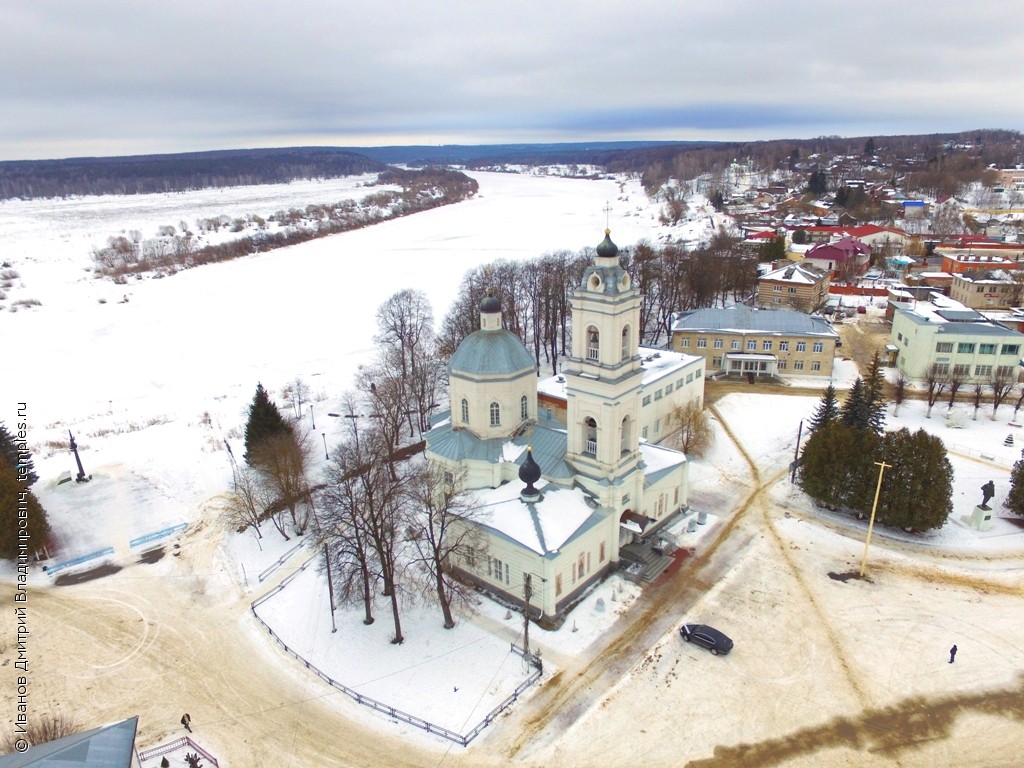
[(1015, 499), (827, 410), (264, 422), (9, 453), (836, 462), (854, 411), (823, 464), (917, 488), (874, 396)]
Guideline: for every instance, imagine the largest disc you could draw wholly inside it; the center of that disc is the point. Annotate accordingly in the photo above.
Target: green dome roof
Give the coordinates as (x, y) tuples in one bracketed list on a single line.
[(491, 353), (607, 249), (491, 303)]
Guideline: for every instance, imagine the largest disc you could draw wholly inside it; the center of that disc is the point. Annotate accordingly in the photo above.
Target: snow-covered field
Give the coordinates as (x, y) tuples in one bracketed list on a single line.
[(153, 387)]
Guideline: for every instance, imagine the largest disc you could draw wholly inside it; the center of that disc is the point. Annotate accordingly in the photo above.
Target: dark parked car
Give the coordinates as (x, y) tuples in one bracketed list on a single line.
[(709, 637)]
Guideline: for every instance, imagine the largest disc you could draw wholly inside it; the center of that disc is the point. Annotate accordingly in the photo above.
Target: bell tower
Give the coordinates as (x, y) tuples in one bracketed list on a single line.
[(603, 372)]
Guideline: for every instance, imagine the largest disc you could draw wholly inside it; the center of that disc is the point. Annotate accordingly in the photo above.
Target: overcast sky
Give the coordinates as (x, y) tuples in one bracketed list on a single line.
[(115, 77)]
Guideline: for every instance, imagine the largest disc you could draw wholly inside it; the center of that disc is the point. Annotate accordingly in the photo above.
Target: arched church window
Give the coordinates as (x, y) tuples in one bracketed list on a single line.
[(495, 414), (626, 436), (590, 436), (524, 407), (593, 344), (465, 411), (625, 343)]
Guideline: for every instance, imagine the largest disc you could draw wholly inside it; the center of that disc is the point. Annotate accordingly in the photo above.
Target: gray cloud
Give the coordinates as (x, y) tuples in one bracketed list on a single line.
[(120, 76)]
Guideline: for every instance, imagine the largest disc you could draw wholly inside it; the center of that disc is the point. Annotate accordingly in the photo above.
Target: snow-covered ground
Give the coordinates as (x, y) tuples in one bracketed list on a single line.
[(153, 387)]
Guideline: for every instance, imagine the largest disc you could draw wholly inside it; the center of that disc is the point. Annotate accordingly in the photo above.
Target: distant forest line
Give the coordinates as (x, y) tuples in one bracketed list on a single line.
[(960, 156), (146, 174)]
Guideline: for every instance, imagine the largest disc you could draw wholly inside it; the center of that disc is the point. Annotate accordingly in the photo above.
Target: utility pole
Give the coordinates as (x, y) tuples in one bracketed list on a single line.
[(527, 594), (796, 453), (882, 466)]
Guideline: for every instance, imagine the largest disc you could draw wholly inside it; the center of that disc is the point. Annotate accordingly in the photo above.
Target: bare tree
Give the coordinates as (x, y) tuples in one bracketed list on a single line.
[(282, 461), (901, 392), (1016, 296), (382, 514), (977, 391), (695, 434), (363, 514), (42, 728), (298, 391), (1001, 385), (249, 502), (1017, 405), (405, 323), (936, 382), (645, 268), (442, 532), (342, 527), (384, 391), (946, 220), (956, 381)]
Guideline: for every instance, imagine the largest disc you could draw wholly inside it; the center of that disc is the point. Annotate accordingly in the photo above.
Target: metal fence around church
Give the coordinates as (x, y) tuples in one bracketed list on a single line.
[(459, 738)]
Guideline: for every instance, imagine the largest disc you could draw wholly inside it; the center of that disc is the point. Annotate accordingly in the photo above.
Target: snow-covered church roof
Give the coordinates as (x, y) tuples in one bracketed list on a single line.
[(547, 438), (491, 353), (543, 526)]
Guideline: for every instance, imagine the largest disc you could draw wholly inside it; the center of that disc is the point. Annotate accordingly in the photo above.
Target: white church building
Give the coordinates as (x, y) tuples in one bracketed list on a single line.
[(556, 502)]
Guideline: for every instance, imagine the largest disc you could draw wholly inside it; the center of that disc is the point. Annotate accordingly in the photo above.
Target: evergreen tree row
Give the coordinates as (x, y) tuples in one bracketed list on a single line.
[(842, 461)]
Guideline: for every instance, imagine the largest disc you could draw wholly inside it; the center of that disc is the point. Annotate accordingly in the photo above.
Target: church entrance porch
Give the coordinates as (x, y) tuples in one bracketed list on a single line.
[(643, 561), (644, 553)]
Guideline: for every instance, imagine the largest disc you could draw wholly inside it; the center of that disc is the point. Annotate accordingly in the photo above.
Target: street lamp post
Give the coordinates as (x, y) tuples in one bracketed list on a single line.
[(324, 436), (312, 416), (882, 466), (527, 595)]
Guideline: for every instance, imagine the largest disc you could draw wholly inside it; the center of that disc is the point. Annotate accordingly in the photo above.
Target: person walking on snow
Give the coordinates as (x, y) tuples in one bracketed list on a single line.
[(952, 654)]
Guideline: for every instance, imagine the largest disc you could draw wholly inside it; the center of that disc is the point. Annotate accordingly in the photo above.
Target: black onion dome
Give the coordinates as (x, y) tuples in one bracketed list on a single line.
[(607, 249), (529, 471), (490, 302)]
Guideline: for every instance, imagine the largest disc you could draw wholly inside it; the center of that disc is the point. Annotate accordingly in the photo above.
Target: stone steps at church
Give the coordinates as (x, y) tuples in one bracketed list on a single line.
[(655, 567)]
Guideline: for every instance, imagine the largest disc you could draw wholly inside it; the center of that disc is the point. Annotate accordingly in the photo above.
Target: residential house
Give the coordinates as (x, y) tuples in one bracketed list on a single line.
[(953, 340), (987, 288), (739, 340), (1012, 179), (958, 262), (889, 239), (793, 286), (845, 258)]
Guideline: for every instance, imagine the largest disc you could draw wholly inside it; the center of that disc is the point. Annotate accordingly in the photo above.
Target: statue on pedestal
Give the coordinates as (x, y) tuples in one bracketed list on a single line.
[(81, 478), (988, 490)]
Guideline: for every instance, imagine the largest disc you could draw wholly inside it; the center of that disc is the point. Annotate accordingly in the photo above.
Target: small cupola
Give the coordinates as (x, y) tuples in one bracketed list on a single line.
[(529, 473), (607, 249), (490, 312)]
